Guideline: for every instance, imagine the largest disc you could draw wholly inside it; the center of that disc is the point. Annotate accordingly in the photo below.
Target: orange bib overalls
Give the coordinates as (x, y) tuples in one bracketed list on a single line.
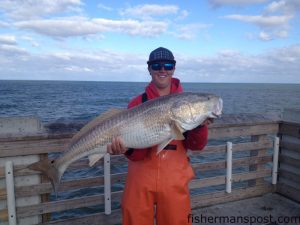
[(162, 181)]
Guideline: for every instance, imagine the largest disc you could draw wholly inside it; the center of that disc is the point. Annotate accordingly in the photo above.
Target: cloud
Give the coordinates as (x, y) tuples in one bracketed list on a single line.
[(284, 7), (262, 21), (78, 69), (149, 10), (104, 7), (31, 40), (264, 36), (4, 24), (68, 65), (271, 26), (20, 9), (219, 3), (182, 15), (80, 26), (8, 39), (279, 65), (274, 20), (189, 31), (11, 51)]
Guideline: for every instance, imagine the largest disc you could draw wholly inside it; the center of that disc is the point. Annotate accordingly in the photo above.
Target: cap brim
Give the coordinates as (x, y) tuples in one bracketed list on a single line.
[(161, 60)]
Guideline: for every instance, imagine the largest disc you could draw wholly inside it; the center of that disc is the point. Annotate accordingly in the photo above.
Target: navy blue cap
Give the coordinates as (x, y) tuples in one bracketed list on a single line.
[(161, 54)]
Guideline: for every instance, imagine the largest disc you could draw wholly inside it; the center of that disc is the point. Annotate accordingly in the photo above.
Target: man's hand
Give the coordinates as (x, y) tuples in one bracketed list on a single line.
[(208, 121), (116, 147)]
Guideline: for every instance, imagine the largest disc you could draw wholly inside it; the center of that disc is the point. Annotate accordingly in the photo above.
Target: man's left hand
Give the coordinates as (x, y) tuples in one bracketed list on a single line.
[(208, 121)]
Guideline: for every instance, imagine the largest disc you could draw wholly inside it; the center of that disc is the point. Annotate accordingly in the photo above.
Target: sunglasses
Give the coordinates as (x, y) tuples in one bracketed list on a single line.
[(159, 66)]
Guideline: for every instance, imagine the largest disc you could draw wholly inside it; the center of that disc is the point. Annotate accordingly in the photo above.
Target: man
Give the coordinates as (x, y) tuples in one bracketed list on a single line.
[(158, 184)]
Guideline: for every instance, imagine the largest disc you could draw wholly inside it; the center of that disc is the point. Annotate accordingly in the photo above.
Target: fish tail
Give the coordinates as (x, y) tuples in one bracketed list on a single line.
[(47, 167)]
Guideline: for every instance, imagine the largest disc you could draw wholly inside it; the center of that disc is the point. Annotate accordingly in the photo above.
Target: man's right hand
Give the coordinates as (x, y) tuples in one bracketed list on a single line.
[(116, 147)]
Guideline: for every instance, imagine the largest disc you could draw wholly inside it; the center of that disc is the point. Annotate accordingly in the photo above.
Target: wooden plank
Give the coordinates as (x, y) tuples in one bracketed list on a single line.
[(32, 147), (290, 129), (289, 160), (56, 206), (237, 194), (3, 216), (45, 197), (288, 191), (2, 193), (261, 167), (32, 144), (245, 119), (290, 153), (255, 167), (19, 170), (212, 181), (288, 175), (98, 218), (291, 183), (261, 144), (218, 180), (221, 164), (226, 132), (37, 137), (249, 176), (289, 168), (209, 149), (293, 146), (45, 188)]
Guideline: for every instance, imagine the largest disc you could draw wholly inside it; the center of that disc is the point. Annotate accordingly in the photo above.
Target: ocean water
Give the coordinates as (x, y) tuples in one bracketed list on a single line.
[(79, 101)]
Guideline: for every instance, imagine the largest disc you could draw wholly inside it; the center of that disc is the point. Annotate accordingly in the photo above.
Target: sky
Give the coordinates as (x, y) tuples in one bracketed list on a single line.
[(220, 41)]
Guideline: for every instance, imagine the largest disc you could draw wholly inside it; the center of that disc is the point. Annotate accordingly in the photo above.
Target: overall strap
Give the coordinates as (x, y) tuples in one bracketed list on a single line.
[(144, 97)]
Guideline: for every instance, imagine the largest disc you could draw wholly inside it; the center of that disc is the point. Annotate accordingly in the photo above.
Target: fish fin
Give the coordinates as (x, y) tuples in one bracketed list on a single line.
[(177, 132), (92, 124), (162, 145), (47, 167), (94, 158)]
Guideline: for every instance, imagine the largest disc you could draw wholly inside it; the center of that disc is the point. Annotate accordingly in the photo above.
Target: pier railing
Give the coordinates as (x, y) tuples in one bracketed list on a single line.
[(80, 198)]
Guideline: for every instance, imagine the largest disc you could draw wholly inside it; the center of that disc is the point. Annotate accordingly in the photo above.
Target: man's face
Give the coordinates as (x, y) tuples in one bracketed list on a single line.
[(161, 73)]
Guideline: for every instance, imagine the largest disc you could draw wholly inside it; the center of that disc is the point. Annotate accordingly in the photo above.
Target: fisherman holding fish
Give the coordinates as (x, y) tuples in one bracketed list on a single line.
[(154, 133), (157, 184)]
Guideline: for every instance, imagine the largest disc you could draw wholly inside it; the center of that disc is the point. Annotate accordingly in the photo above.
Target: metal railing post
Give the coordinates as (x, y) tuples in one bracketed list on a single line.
[(10, 190), (275, 160), (229, 167), (107, 184)]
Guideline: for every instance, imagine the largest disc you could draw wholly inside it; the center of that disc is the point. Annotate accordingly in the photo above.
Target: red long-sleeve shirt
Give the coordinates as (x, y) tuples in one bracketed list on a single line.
[(195, 139)]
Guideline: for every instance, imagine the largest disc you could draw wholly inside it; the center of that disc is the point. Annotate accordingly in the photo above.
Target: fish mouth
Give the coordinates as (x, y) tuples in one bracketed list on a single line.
[(214, 115), (217, 112)]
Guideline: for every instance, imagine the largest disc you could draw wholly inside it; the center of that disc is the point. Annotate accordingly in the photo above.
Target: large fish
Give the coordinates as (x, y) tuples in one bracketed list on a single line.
[(155, 122)]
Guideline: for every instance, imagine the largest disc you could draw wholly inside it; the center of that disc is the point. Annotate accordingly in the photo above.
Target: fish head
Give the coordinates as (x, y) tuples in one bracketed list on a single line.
[(194, 108)]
